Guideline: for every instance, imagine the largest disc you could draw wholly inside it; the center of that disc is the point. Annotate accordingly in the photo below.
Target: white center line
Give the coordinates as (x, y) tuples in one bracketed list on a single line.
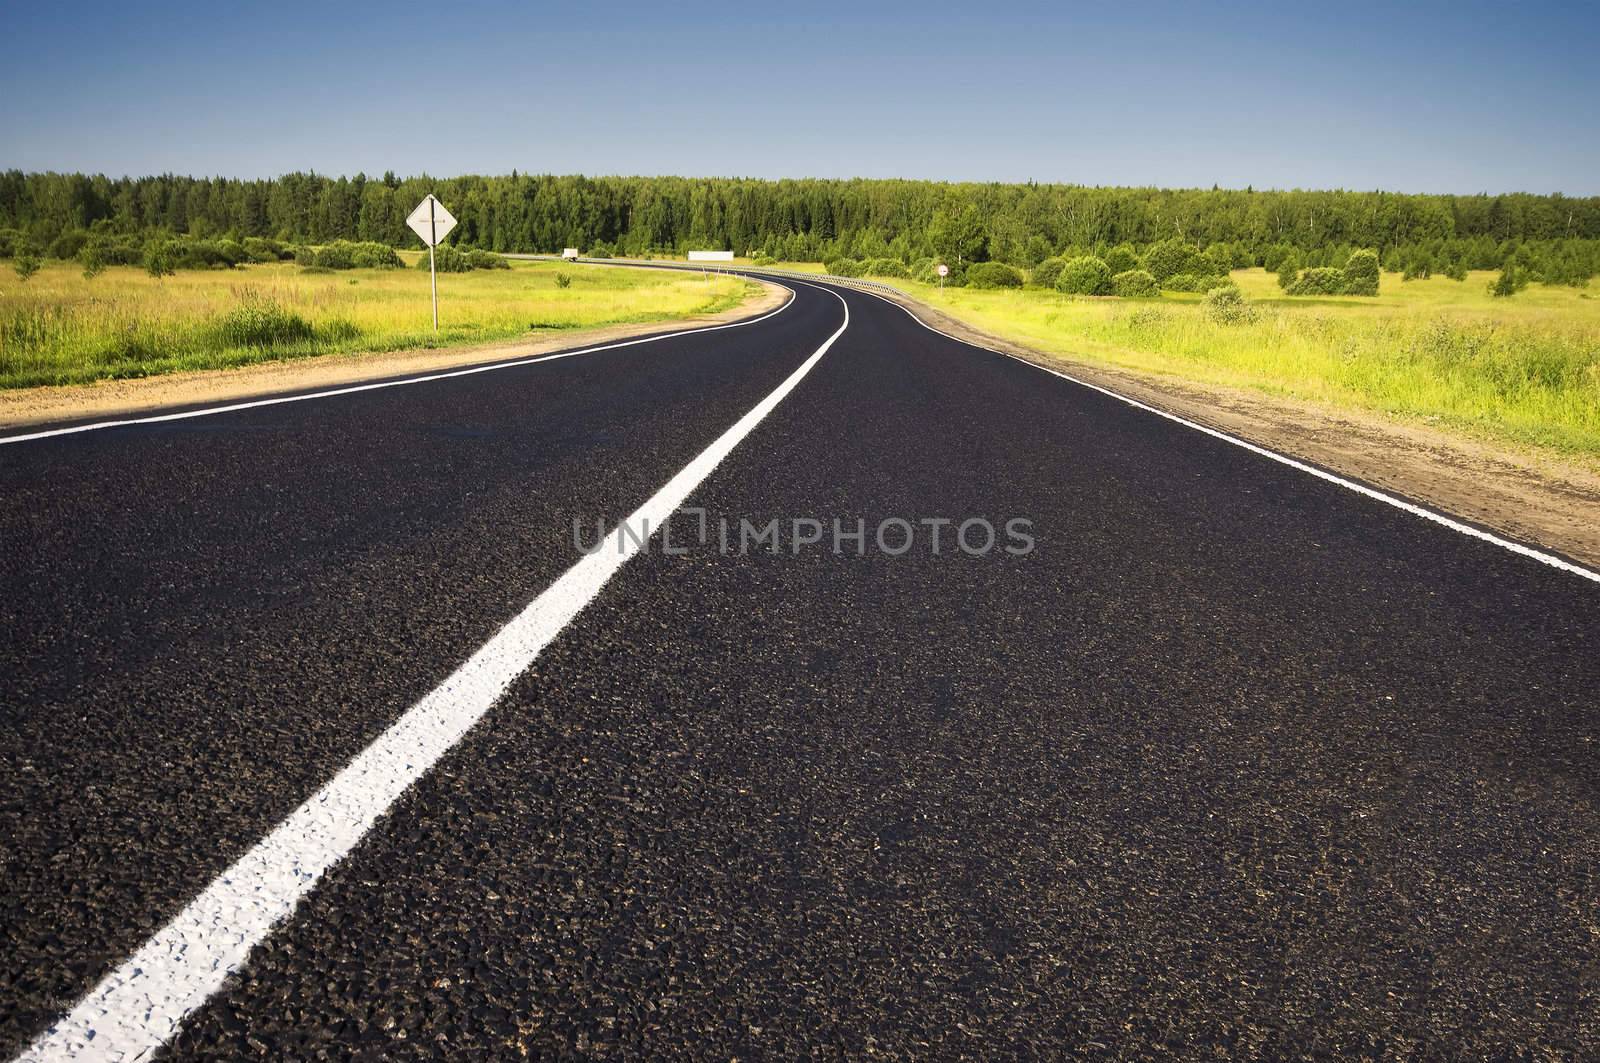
[(139, 1006)]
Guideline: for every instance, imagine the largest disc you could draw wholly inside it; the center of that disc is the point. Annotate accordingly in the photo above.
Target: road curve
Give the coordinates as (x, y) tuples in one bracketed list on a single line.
[(1234, 760)]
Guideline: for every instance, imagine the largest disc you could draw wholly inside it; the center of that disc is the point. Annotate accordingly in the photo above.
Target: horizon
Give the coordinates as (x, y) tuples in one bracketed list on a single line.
[(404, 177), (1458, 99)]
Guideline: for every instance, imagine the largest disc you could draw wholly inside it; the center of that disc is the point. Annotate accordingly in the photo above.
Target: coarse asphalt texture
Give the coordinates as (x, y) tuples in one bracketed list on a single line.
[(1234, 763)]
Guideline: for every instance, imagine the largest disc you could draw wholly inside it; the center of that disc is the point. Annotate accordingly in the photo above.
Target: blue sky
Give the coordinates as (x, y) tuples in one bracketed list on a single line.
[(1460, 97)]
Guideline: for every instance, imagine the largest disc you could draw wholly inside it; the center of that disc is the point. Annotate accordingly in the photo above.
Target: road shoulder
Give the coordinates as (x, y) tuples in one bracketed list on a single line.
[(25, 407), (1530, 497)]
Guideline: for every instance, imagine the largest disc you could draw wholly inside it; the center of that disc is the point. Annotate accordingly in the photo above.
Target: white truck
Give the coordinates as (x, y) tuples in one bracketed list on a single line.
[(569, 254)]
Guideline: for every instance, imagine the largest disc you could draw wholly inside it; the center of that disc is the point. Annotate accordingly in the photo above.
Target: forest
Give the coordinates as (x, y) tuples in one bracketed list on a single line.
[(1554, 238)]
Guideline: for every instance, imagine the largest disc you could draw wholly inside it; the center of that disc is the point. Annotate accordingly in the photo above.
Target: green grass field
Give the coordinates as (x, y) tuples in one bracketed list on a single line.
[(1442, 352), (58, 328)]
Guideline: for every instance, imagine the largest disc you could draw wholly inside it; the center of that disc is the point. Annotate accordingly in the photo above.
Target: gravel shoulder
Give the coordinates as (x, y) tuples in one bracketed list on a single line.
[(23, 407), (1527, 496)]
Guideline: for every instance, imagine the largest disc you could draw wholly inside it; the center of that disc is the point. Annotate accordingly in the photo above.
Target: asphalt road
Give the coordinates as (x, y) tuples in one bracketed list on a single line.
[(1235, 762)]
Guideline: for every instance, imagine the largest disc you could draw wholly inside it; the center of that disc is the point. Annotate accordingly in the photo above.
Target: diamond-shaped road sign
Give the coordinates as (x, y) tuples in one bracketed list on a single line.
[(431, 221)]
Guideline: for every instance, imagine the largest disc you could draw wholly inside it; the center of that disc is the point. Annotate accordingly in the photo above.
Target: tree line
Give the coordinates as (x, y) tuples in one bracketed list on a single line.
[(963, 223)]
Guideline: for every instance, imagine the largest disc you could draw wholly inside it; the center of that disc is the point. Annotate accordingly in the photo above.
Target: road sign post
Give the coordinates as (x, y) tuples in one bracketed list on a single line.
[(433, 267), (943, 271), (432, 223)]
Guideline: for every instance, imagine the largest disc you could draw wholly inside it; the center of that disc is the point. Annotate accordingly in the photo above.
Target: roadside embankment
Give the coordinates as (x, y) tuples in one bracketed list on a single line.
[(115, 398), (1525, 493)]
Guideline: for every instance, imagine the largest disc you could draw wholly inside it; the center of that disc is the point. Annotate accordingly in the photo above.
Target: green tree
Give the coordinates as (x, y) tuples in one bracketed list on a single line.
[(26, 264), (959, 238), (1508, 283), (1170, 258), (1218, 260), (1288, 270), (93, 259), (159, 259), (1555, 238)]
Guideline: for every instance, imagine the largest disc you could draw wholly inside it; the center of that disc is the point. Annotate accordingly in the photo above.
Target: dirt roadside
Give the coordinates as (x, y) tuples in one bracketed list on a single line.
[(1525, 496), (121, 398)]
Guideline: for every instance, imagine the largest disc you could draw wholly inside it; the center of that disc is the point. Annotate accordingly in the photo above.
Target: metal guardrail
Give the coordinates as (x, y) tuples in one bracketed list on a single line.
[(695, 267), (831, 278)]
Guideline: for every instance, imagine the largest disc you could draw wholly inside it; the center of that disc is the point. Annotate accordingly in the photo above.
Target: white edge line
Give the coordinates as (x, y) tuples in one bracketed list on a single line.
[(140, 1004), (1283, 459), (352, 389)]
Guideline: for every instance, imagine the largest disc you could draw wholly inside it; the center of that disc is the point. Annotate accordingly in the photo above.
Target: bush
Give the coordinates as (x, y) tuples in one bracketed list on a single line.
[(197, 254), (1319, 280), (1085, 275), (1456, 271), (563, 280), (762, 260), (1361, 273), (68, 244), (956, 279), (993, 275), (450, 259), (373, 255), (1226, 306), (1170, 258), (479, 259), (103, 251), (336, 255), (843, 267), (232, 252), (1123, 259), (886, 267), (1045, 273), (258, 322), (304, 256), (260, 249), (1135, 284), (922, 270), (447, 259), (11, 241), (348, 254), (26, 265)]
